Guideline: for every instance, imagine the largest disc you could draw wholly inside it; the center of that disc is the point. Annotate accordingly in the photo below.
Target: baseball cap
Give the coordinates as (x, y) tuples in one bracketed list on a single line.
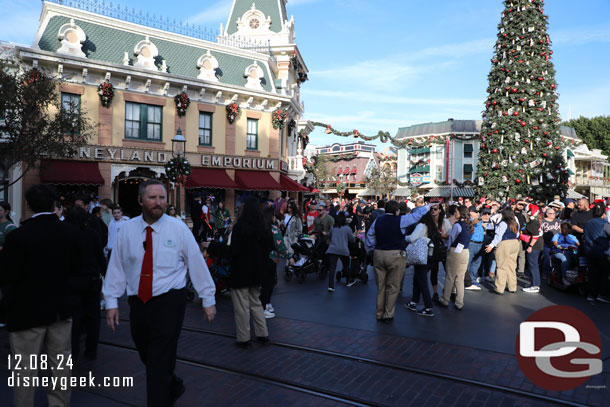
[(486, 211)]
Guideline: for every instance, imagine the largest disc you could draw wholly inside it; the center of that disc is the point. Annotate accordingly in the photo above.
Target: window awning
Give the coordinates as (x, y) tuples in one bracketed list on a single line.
[(570, 153), (467, 167), (210, 178), (70, 173), (468, 148), (256, 181), (354, 170), (570, 172), (339, 171), (288, 184), (424, 169)]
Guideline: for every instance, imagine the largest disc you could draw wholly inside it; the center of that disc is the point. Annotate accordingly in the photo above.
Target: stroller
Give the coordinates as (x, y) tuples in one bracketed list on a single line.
[(309, 258), (220, 265), (358, 265)]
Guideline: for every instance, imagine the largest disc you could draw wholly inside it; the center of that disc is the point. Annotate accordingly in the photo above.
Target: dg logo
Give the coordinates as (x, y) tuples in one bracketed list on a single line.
[(559, 348)]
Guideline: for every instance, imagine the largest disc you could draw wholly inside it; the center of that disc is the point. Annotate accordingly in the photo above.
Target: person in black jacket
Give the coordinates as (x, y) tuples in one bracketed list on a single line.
[(38, 261), (250, 244), (87, 285)]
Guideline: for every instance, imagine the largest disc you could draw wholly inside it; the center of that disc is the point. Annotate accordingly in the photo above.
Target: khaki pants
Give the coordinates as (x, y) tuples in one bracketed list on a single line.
[(389, 270), (457, 265), (506, 259), (56, 338), (246, 301)]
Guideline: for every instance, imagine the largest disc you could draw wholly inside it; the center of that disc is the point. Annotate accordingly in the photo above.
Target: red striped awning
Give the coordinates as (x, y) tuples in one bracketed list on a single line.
[(256, 181), (210, 178), (354, 170), (339, 171), (288, 184), (66, 172)]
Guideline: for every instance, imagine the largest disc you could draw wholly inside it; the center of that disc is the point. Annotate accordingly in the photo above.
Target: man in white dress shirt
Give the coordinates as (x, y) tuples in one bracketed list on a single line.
[(150, 258)]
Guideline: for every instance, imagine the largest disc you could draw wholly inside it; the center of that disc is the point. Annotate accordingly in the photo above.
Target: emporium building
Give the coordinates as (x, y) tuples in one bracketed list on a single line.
[(252, 65)]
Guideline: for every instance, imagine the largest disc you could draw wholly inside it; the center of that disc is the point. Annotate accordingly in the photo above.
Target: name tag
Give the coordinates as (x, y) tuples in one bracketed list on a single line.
[(169, 243)]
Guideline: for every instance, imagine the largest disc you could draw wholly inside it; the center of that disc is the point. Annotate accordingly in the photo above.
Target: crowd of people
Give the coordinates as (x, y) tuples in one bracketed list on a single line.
[(79, 259)]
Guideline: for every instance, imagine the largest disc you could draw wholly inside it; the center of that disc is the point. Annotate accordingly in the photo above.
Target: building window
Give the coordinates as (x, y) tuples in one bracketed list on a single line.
[(468, 170), (468, 148), (205, 129), (143, 121), (252, 135), (70, 105)]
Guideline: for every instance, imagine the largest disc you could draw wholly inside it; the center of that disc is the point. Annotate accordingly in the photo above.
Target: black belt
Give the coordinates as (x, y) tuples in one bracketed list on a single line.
[(472, 241)]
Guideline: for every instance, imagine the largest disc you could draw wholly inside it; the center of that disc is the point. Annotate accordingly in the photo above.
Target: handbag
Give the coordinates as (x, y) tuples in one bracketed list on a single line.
[(417, 253), (525, 238)]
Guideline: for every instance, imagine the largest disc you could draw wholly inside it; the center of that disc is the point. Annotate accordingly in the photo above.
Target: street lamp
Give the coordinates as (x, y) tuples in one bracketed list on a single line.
[(178, 151)]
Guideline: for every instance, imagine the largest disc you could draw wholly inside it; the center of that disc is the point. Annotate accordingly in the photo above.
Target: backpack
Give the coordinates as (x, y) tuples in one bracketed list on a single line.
[(439, 253)]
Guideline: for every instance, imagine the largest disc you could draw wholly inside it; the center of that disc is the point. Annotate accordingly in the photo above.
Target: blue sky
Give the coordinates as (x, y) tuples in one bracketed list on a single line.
[(380, 65)]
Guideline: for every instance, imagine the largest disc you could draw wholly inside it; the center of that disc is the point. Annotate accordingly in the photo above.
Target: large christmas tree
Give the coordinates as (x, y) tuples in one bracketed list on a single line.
[(521, 151)]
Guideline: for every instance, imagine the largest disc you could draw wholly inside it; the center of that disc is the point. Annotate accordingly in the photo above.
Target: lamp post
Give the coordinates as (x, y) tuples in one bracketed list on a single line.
[(178, 152)]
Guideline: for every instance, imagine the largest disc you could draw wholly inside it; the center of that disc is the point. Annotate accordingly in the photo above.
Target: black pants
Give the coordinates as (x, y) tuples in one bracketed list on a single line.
[(155, 328), (598, 275), (197, 229), (332, 266), (420, 284), (86, 318), (269, 282)]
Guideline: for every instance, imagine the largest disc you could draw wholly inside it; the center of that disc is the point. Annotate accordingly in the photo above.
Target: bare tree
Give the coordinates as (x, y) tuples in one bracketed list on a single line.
[(382, 181)]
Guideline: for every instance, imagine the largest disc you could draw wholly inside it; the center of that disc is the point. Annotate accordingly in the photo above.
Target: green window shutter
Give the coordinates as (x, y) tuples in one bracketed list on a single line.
[(467, 167), (468, 148)]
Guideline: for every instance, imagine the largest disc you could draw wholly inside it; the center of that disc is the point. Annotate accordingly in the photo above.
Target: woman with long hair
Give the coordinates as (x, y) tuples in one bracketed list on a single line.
[(251, 244), (87, 285), (443, 226), (171, 211), (457, 257), (293, 224), (338, 249), (506, 243), (222, 218), (427, 227)]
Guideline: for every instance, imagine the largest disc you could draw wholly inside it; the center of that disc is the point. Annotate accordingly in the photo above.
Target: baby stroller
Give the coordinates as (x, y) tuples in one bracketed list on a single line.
[(307, 259), (357, 266), (220, 265)]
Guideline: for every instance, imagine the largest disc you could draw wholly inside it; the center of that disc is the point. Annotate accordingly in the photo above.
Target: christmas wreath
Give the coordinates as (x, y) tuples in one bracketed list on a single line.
[(278, 118), (106, 92), (232, 112), (33, 75), (178, 170), (182, 103)]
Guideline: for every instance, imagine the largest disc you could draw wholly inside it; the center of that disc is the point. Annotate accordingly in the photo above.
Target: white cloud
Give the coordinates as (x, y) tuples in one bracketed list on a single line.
[(20, 20), (216, 13), (380, 98), (581, 35)]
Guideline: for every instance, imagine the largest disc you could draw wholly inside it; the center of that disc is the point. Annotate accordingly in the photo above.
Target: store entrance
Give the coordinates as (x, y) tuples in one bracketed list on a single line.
[(128, 195)]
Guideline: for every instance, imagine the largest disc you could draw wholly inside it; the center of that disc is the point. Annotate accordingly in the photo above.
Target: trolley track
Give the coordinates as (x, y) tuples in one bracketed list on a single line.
[(358, 359)]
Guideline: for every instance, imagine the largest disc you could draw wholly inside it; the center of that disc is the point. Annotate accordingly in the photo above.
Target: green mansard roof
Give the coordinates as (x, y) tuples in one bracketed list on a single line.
[(109, 45), (276, 9)]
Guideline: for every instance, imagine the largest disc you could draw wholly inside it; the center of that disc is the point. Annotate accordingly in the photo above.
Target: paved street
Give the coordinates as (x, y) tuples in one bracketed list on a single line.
[(328, 349)]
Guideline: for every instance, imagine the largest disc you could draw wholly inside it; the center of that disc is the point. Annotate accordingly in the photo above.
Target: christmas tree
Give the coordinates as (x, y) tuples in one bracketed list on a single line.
[(521, 152)]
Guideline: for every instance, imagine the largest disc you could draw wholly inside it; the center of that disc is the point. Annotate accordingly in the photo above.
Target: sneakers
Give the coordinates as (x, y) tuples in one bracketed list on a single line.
[(533, 289), (331, 290), (603, 299), (478, 280), (268, 314), (590, 298), (425, 312), (270, 308), (474, 287), (564, 281), (411, 305), (490, 278), (351, 283)]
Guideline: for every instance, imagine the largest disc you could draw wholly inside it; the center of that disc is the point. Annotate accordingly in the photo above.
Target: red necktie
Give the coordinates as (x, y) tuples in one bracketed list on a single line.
[(146, 275)]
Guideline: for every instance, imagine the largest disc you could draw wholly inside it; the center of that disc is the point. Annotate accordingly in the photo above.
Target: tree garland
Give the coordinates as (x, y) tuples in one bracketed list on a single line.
[(106, 92), (178, 170), (278, 118), (182, 103), (385, 137), (233, 110), (347, 157)]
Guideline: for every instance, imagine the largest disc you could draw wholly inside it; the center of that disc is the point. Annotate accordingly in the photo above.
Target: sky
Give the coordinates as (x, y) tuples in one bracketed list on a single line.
[(381, 65)]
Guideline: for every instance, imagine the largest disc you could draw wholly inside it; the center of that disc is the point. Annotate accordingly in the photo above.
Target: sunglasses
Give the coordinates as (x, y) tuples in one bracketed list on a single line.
[(435, 209)]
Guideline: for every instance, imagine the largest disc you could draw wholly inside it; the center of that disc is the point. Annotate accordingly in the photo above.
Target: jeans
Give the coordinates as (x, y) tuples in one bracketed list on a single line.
[(474, 261), (532, 266), (420, 285), (567, 260), (546, 260)]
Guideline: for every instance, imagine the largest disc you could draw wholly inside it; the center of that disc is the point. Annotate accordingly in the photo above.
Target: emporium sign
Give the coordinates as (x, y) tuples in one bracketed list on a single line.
[(159, 157)]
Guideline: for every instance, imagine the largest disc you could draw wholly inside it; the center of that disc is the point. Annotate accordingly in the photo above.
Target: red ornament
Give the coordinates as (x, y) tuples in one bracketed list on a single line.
[(482, 145), (552, 86), (544, 155), (526, 140), (548, 143), (557, 147), (505, 113), (523, 124), (517, 181), (485, 174), (495, 151), (515, 90), (546, 133), (516, 113), (535, 127), (494, 103)]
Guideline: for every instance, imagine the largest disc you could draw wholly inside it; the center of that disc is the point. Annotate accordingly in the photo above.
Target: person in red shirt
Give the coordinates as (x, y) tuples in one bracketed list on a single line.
[(311, 215)]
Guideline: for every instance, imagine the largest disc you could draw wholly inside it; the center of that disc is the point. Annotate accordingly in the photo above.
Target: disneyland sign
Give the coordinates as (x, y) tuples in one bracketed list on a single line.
[(158, 157)]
